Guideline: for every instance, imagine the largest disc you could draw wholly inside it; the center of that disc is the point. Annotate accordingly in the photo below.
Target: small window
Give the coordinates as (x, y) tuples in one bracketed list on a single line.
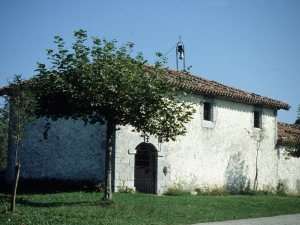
[(257, 119), (207, 111)]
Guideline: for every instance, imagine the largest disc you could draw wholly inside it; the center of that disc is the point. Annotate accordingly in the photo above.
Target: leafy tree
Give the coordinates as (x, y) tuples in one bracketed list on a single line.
[(19, 99), (3, 136), (293, 144), (298, 117), (104, 84), (293, 147)]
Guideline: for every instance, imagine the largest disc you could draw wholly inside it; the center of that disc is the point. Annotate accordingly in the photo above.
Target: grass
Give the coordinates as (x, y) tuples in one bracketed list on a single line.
[(85, 208)]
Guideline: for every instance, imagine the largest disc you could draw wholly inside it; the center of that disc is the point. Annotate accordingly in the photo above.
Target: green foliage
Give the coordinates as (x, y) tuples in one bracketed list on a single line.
[(4, 112), (126, 190), (175, 191), (293, 144), (100, 187), (22, 108), (255, 192), (281, 189), (104, 83), (293, 147), (298, 116), (213, 192)]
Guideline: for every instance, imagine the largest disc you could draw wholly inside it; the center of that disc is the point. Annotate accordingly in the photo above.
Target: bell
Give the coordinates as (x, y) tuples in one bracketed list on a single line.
[(181, 56)]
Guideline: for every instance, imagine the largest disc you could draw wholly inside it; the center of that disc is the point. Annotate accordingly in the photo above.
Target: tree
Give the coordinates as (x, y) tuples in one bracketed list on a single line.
[(21, 111), (104, 84), (293, 147), (258, 137), (298, 117), (293, 143), (3, 136)]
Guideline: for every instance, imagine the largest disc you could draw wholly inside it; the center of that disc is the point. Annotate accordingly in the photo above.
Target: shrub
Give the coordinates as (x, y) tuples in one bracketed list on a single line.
[(100, 187), (281, 190), (175, 191), (213, 192), (126, 190), (255, 193)]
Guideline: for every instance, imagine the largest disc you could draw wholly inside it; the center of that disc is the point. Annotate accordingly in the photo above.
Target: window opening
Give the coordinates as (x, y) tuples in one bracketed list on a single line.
[(207, 111), (256, 119)]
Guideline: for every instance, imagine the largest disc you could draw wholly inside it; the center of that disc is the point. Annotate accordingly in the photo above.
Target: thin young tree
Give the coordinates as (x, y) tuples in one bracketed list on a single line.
[(21, 108), (258, 137), (105, 84), (4, 111)]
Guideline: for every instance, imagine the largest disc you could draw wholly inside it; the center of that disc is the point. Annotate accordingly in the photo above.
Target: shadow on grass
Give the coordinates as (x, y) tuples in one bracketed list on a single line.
[(52, 186), (53, 204)]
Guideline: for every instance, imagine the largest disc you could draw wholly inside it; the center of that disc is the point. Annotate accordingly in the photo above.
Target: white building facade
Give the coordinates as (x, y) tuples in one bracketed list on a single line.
[(233, 134)]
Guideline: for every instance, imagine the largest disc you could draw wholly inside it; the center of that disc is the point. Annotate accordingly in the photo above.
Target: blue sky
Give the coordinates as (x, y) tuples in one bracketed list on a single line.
[(252, 45)]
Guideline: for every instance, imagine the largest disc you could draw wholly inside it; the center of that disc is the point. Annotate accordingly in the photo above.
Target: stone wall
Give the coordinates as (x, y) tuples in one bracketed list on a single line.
[(217, 153), (288, 171), (72, 151)]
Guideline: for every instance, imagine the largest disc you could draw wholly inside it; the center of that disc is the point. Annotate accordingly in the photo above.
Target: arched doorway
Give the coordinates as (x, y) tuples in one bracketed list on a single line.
[(145, 168)]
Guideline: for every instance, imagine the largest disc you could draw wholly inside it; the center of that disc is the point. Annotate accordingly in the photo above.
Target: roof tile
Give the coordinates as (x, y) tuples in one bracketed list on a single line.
[(205, 86), (287, 131)]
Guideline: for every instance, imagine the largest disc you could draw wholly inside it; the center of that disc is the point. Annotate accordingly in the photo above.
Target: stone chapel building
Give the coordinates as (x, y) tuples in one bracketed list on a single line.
[(219, 149)]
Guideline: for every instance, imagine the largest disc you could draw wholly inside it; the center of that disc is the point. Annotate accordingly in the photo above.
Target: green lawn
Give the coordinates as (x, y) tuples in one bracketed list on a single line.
[(80, 208)]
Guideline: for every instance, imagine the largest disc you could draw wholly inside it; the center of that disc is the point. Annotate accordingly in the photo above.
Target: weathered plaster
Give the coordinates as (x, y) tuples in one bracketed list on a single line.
[(220, 154), (72, 151)]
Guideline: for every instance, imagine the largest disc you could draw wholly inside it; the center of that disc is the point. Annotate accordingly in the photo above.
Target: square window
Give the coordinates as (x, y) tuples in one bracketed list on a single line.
[(207, 111)]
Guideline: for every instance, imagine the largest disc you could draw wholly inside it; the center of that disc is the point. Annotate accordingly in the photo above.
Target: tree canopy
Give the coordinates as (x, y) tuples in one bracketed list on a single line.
[(293, 147), (298, 117), (105, 84), (293, 144), (3, 136)]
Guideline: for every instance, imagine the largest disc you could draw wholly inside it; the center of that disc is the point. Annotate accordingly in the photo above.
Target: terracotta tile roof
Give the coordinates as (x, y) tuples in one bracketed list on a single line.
[(209, 87), (204, 86), (287, 131)]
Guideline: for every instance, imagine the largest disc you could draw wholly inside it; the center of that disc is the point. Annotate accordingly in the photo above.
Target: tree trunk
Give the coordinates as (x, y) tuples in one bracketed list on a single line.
[(14, 192), (256, 168), (109, 139)]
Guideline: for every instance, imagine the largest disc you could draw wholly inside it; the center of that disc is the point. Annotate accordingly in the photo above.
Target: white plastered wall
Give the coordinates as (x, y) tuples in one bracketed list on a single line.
[(72, 151), (220, 153), (223, 155)]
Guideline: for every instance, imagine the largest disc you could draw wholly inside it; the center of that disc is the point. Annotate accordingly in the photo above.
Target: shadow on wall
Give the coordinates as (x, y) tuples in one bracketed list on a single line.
[(235, 180)]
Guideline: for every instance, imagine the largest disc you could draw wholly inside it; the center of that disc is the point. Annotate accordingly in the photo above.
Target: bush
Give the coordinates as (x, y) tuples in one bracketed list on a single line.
[(176, 192), (255, 193), (213, 192), (100, 187), (281, 190), (126, 190)]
